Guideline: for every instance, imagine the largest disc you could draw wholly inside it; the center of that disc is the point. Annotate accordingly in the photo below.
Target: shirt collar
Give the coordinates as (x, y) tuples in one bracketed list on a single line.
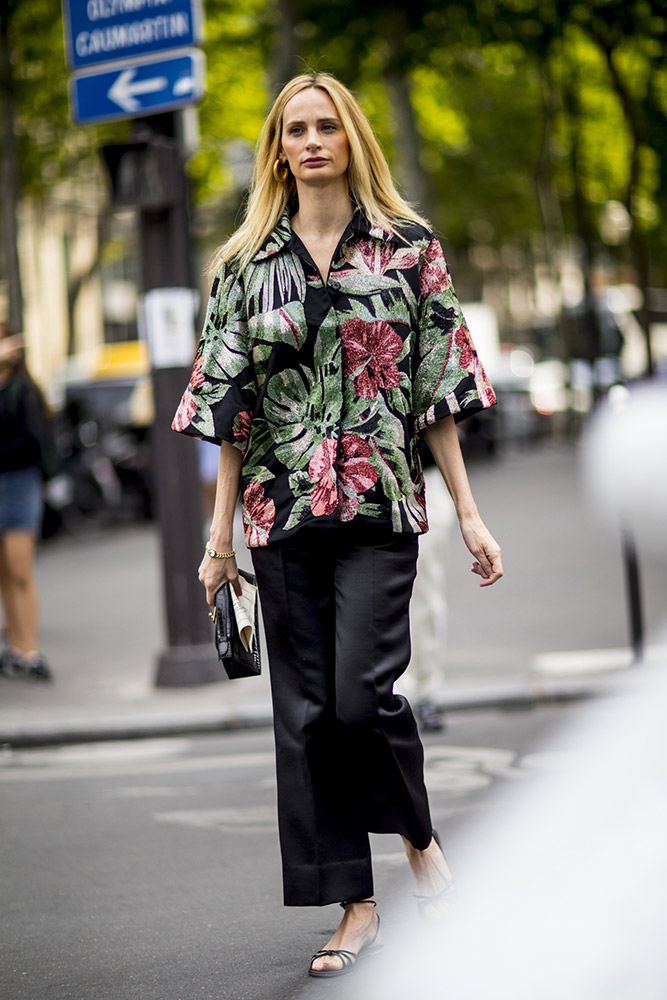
[(281, 235)]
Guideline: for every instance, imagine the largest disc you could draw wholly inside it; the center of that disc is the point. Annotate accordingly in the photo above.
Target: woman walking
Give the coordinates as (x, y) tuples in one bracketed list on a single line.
[(333, 338), (25, 442)]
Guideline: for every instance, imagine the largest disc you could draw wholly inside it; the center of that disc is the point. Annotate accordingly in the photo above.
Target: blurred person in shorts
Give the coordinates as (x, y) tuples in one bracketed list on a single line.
[(27, 449)]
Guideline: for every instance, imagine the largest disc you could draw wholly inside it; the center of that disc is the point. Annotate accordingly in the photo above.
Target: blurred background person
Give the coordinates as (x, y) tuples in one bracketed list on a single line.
[(422, 683), (27, 455)]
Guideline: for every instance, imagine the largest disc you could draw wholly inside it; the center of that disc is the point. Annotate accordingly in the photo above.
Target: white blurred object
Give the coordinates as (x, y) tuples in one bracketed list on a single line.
[(615, 223), (625, 464), (425, 677), (567, 894), (548, 387), (483, 325)]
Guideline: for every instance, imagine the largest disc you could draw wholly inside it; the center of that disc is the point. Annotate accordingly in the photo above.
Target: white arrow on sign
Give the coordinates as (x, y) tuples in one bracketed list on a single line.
[(185, 85), (123, 91)]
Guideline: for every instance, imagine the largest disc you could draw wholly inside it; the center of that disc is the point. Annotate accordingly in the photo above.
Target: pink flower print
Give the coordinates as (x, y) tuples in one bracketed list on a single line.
[(185, 412), (197, 377), (356, 473), (433, 276), (370, 350), (369, 256), (467, 358), (241, 426), (484, 388), (404, 258), (379, 256), (259, 513), (321, 470)]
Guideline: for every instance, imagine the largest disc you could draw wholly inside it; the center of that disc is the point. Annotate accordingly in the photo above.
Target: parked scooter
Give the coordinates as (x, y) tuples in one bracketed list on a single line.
[(105, 478)]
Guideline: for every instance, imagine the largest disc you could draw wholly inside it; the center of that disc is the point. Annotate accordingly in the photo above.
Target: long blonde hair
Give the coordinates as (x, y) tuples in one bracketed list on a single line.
[(369, 179)]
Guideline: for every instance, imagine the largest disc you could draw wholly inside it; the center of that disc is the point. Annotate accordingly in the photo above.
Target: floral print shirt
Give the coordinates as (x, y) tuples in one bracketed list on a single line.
[(326, 385)]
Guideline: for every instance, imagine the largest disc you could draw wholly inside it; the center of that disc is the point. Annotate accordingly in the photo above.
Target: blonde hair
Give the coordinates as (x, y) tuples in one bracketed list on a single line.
[(369, 179)]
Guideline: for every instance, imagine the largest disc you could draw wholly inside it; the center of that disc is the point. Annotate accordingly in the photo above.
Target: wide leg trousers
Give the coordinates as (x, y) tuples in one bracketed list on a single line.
[(348, 756)]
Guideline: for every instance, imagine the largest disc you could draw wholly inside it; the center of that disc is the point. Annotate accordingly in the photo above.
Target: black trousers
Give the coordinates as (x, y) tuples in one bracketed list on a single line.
[(348, 755)]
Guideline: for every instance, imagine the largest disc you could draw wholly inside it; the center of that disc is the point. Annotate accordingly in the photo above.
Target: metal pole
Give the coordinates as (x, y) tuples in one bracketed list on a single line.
[(165, 263), (633, 590)]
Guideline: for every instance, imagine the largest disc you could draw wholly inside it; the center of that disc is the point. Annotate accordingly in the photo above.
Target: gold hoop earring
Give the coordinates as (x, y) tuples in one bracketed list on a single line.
[(280, 175)]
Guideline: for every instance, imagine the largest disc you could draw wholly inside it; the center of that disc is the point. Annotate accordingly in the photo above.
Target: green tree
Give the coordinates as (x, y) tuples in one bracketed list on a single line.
[(40, 146)]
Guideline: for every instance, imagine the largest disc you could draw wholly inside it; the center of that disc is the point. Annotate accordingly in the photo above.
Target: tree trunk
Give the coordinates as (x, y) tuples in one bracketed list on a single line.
[(285, 49), (638, 247), (9, 176), (78, 281), (408, 142), (411, 175), (589, 339)]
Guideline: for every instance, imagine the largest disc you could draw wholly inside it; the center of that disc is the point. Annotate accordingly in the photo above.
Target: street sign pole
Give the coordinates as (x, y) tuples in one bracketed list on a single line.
[(166, 267), (136, 60)]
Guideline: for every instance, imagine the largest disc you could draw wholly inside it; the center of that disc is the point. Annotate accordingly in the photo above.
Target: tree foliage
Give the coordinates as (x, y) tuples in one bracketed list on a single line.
[(513, 122)]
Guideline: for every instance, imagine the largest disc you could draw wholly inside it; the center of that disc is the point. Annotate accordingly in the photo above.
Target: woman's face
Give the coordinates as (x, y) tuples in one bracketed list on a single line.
[(313, 139)]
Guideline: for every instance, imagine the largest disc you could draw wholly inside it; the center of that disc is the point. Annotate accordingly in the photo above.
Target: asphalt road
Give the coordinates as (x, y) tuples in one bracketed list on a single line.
[(150, 869)]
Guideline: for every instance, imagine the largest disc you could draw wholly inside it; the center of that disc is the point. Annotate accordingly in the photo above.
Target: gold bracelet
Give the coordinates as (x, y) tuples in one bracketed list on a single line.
[(218, 555)]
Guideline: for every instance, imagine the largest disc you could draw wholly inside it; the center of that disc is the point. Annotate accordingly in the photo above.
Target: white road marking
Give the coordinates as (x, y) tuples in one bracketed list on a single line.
[(152, 791), (117, 751), (458, 769), (246, 819)]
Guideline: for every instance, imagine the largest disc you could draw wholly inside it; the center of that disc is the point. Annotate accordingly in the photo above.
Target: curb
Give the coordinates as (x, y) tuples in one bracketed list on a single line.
[(66, 731), (523, 694), (56, 733)]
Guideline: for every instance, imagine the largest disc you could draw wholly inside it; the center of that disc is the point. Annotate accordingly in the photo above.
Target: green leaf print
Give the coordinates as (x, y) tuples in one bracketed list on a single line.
[(327, 344), (389, 457), (256, 474), (202, 422), (300, 483), (435, 378), (286, 325), (299, 512), (281, 273), (386, 312), (408, 302), (359, 412), (370, 509), (287, 409), (357, 283), (225, 360), (383, 460)]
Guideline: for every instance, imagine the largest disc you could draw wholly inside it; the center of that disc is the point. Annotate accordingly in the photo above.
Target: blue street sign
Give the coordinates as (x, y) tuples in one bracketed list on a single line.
[(100, 31), (134, 89)]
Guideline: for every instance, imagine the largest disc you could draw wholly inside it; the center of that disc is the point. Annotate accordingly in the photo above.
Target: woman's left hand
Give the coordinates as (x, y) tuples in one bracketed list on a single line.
[(485, 549)]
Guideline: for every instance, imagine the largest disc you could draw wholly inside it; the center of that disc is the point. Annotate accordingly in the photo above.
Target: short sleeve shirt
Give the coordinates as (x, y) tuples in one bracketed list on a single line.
[(325, 385)]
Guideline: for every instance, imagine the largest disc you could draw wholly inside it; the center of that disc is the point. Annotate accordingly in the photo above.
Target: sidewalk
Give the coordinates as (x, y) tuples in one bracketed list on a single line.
[(555, 627)]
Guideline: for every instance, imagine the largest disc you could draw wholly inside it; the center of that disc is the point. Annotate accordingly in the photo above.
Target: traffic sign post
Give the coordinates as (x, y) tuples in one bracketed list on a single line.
[(189, 657), (148, 173), (137, 89), (133, 60)]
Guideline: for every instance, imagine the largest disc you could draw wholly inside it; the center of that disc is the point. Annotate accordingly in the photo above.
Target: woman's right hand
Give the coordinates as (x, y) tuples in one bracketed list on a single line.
[(214, 572)]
